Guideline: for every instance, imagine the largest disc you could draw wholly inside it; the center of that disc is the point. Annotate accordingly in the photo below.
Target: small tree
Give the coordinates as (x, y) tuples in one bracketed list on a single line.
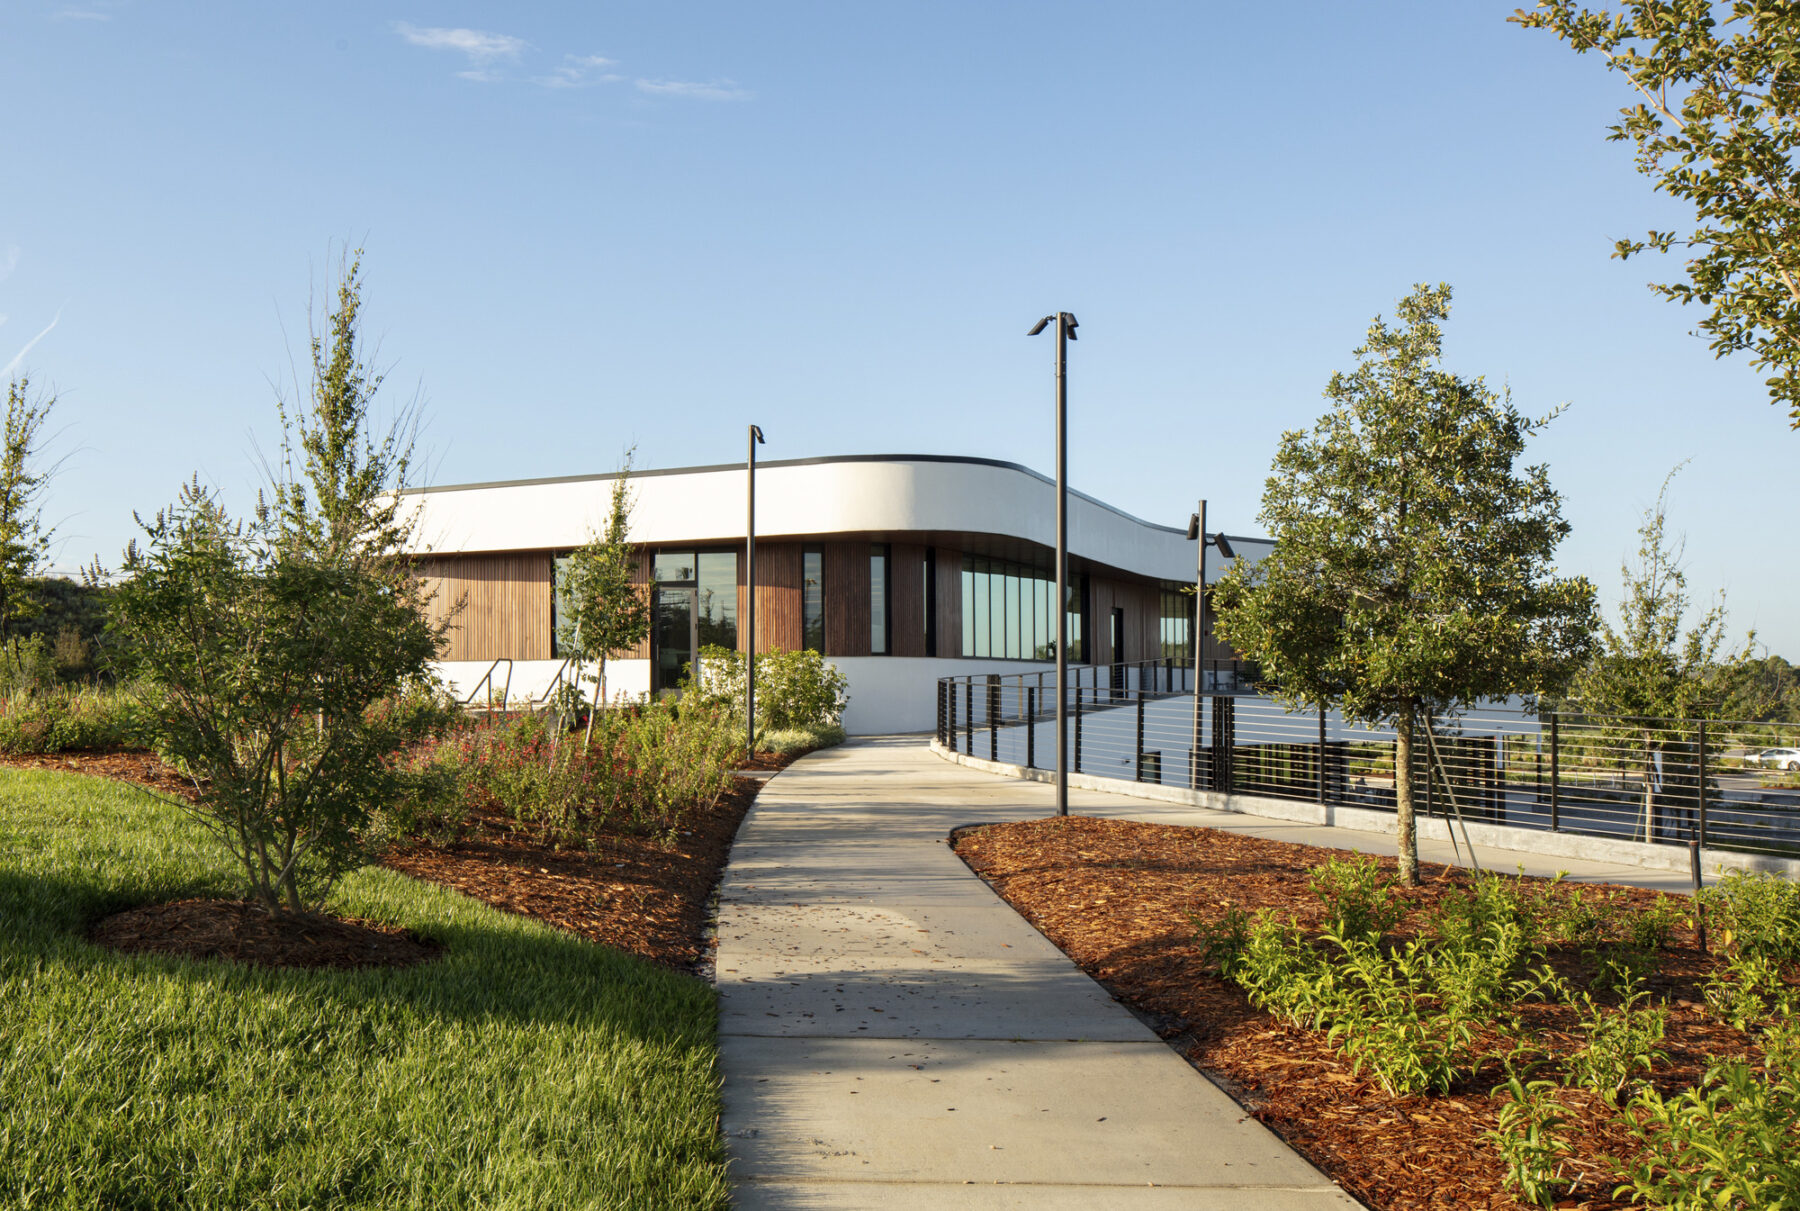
[(1411, 571), (271, 644), (24, 539), (268, 665), (604, 613), (1717, 125), (1649, 682)]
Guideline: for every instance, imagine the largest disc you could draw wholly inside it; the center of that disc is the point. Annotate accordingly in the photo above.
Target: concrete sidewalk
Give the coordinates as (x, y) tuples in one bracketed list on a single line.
[(894, 1035)]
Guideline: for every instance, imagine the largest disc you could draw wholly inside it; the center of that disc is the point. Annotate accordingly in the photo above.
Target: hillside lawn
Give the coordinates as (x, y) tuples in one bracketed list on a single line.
[(523, 1067)]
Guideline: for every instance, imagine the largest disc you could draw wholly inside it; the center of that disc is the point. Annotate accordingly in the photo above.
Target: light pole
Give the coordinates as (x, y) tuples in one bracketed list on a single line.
[(1065, 332), (756, 439), (1197, 529)]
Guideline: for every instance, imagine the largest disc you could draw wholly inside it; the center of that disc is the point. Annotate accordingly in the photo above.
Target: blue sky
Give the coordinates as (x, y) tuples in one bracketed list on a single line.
[(596, 225)]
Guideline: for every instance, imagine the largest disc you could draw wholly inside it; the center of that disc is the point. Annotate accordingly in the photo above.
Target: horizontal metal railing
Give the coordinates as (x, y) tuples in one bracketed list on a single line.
[(1654, 780)]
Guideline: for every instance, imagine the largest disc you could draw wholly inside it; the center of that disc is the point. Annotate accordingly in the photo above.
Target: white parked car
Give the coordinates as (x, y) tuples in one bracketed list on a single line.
[(1775, 758)]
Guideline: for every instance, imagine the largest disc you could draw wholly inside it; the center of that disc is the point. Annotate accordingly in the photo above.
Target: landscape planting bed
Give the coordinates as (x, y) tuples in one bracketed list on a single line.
[(1122, 900)]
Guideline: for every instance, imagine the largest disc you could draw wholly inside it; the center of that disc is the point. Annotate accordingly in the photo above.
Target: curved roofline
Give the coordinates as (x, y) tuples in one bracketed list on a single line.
[(807, 462)]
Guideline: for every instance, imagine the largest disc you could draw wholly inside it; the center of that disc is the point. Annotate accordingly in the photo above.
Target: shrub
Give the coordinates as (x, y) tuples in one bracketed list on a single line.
[(1359, 903), (26, 664), (1531, 1140), (798, 739), (793, 689), (69, 719), (1620, 1043), (1761, 913)]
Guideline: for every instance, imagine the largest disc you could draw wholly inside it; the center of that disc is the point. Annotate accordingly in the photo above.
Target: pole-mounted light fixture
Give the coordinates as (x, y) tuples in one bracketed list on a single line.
[(756, 439), (1197, 530), (1065, 332)]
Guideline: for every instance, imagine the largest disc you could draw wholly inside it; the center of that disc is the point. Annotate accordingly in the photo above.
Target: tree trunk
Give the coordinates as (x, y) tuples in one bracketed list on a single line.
[(594, 709), (1408, 839)]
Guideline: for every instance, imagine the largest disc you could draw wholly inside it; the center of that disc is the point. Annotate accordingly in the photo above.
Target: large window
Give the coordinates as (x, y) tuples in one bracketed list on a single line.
[(812, 601), (1177, 633), (1009, 610), (878, 599), (696, 603)]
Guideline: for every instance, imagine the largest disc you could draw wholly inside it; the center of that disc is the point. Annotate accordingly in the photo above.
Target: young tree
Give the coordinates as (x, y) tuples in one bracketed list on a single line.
[(1717, 125), (1411, 572), (1649, 679), (604, 613), (270, 666), (273, 644), (24, 539), (344, 500)]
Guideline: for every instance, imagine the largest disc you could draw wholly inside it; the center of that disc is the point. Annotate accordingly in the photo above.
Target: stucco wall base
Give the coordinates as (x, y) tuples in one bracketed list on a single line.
[(1361, 819)]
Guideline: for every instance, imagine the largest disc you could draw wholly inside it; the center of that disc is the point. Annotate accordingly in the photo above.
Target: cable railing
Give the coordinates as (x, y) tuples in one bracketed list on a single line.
[(1729, 785)]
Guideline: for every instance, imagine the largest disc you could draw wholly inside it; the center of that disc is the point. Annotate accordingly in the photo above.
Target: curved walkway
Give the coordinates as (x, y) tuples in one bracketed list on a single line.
[(894, 1035)]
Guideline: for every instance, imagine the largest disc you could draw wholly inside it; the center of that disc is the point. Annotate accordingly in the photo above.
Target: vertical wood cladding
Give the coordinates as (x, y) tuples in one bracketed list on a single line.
[(505, 604), (906, 569), (1142, 604), (778, 598), (949, 601), (642, 569), (846, 599)]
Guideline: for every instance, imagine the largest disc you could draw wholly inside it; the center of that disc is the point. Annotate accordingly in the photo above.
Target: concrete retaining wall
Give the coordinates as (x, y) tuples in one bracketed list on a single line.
[(1362, 819)]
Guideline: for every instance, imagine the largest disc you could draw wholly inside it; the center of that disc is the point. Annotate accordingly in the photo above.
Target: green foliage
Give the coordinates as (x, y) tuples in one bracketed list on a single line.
[(1412, 562), (1716, 124), (1648, 668), (646, 767), (1750, 989), (604, 613), (793, 689), (1760, 911), (1621, 1043), (1731, 1142), (26, 665), (523, 1067), (70, 719), (267, 664), (1531, 1139), (24, 540), (795, 739), (1223, 944), (1359, 903)]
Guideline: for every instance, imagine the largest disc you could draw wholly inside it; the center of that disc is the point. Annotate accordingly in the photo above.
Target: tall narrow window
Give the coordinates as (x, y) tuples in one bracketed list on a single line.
[(930, 595), (878, 599), (812, 601)]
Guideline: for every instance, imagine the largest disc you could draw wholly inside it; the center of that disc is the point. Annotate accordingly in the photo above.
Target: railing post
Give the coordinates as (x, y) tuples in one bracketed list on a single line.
[(1075, 763), (969, 717), (993, 712), (1031, 727), (949, 688), (1321, 760), (1700, 790), (1138, 765), (1194, 749), (1555, 774)]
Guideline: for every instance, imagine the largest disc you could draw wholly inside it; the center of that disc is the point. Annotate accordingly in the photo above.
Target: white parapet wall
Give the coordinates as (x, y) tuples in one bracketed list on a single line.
[(526, 680), (1434, 828)]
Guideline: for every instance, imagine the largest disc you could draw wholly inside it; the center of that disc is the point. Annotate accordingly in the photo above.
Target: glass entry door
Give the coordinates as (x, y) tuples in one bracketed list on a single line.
[(674, 638)]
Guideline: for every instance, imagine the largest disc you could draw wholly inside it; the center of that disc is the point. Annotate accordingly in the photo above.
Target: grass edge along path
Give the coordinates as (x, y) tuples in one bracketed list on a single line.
[(522, 1068)]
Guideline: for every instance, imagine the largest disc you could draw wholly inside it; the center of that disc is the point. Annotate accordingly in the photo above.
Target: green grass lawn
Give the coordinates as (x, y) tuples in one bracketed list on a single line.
[(522, 1068)]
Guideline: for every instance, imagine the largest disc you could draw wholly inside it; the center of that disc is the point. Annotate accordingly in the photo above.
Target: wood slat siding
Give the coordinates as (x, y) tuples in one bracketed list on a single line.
[(779, 570), (846, 599), (1142, 604), (949, 601), (505, 603), (906, 566), (643, 567)]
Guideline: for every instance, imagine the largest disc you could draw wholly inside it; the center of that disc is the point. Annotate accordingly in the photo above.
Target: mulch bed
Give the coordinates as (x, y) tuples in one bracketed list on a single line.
[(245, 933), (135, 766), (1121, 899), (639, 893)]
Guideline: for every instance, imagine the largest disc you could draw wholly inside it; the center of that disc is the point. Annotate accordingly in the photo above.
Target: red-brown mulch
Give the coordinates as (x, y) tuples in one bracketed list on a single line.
[(138, 767), (638, 893), (1121, 899), (245, 933)]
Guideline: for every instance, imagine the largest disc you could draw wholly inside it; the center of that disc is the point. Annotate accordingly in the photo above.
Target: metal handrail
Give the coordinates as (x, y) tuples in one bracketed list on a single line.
[(487, 679), (537, 704)]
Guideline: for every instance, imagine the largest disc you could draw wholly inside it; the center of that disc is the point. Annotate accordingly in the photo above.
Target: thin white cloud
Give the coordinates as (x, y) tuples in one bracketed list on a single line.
[(80, 14), (580, 71), (20, 355), (710, 90), (480, 46)]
